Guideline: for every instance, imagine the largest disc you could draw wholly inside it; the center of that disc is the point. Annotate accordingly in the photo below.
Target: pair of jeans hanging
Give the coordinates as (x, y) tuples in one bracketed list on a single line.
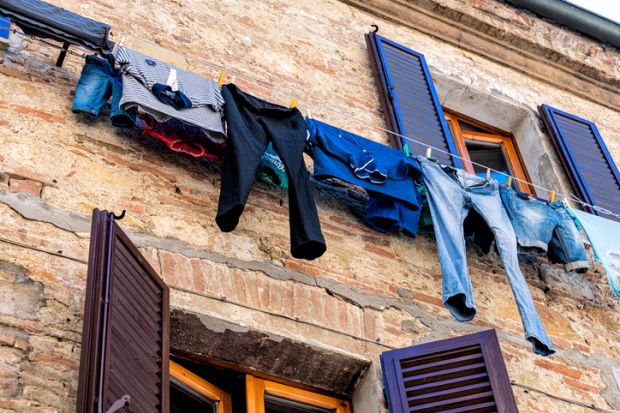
[(452, 193)]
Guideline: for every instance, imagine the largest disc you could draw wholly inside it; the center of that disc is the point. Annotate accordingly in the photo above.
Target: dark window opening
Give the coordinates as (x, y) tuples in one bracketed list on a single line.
[(277, 405)]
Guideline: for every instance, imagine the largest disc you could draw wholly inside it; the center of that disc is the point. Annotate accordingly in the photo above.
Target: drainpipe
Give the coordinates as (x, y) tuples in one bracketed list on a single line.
[(574, 17)]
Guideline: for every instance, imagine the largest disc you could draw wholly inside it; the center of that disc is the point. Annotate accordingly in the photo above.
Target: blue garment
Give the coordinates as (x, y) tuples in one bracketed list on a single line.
[(271, 169), (451, 195), (386, 173), (385, 214), (603, 235), (545, 225), (98, 82), (174, 98)]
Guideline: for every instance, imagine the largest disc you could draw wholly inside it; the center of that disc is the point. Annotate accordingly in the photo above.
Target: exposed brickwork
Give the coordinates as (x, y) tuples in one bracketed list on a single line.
[(369, 293)]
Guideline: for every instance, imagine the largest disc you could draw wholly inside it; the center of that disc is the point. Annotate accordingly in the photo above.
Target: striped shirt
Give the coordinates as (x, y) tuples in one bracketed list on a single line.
[(141, 73)]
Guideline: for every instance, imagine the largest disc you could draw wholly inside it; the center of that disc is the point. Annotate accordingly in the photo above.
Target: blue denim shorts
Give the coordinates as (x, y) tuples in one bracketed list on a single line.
[(100, 81), (545, 225)]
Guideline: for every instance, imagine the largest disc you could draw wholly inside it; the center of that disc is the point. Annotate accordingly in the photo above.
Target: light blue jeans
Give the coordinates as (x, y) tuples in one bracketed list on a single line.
[(452, 193)]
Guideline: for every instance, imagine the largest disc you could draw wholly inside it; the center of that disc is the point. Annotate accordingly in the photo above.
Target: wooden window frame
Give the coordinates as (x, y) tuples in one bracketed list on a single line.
[(513, 157), (257, 388), (200, 385)]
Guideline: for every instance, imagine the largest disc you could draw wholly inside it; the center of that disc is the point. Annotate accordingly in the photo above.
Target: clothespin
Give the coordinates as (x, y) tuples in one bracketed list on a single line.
[(308, 114), (552, 196), (428, 152), (406, 150), (509, 182), (220, 80), (293, 104), (488, 173)]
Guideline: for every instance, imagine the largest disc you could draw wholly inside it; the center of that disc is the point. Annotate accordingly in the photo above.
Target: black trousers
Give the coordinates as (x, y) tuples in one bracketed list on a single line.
[(252, 124)]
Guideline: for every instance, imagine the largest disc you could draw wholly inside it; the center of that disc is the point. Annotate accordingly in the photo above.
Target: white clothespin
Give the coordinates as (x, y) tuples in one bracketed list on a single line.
[(488, 173), (429, 151), (308, 114), (172, 80)]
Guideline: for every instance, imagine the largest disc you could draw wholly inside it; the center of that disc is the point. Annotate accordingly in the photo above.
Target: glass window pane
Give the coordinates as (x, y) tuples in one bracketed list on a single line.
[(488, 154), (186, 400), (278, 405)]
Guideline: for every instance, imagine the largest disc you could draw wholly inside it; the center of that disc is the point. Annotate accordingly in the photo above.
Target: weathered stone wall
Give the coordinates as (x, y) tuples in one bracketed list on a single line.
[(370, 292)]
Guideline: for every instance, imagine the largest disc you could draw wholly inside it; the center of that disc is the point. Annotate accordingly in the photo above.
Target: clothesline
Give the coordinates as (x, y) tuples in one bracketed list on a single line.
[(572, 196), (243, 76)]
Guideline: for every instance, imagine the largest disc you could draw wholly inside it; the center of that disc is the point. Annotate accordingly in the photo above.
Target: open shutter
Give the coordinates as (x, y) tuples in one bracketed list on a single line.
[(457, 375), (409, 99), (125, 344), (590, 168)]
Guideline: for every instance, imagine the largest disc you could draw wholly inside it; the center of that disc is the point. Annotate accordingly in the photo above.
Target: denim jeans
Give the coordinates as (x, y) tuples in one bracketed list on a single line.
[(545, 225), (98, 82), (452, 193)]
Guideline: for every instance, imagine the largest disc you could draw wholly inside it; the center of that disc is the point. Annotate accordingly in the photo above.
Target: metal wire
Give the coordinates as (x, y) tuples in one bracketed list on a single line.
[(55, 46), (309, 102)]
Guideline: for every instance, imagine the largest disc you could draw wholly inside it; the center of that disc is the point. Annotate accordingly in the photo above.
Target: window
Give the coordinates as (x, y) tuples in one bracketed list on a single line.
[(486, 146), (270, 397), (190, 393)]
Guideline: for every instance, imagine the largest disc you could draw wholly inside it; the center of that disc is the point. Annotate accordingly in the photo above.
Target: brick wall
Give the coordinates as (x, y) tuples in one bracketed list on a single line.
[(370, 292)]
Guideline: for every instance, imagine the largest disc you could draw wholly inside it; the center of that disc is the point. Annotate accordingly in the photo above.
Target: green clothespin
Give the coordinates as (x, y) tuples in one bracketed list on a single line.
[(406, 150)]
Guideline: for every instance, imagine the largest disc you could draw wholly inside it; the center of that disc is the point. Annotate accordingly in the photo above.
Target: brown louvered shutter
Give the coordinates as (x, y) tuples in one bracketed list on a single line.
[(590, 167), (125, 342), (457, 375)]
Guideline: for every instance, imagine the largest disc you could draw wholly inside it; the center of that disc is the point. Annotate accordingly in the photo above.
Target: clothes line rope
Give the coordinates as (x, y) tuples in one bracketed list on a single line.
[(50, 44), (243, 76), (572, 197)]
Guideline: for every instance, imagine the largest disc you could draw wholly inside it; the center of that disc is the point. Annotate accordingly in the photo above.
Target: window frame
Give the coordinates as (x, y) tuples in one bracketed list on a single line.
[(200, 385), (511, 152), (257, 388)]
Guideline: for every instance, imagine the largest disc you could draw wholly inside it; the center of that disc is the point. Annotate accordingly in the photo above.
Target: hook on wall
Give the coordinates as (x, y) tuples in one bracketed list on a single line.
[(118, 217), (376, 28)]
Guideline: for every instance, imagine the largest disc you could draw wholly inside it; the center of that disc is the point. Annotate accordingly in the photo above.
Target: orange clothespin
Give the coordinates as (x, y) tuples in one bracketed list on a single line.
[(552, 196), (509, 182), (429, 151), (488, 173), (220, 80), (293, 104)]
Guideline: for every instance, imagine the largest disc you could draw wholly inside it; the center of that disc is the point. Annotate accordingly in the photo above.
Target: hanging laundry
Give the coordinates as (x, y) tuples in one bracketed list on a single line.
[(386, 173), (166, 92), (99, 82), (603, 235), (252, 124), (271, 169), (181, 137), (452, 193), (44, 20), (537, 223)]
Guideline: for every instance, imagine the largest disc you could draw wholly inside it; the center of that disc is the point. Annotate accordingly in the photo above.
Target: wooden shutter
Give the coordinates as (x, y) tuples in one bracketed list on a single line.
[(590, 168), (125, 344), (457, 375), (409, 99)]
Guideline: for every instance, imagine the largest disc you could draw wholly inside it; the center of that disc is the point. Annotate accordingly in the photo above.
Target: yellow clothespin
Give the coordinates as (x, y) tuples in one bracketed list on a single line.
[(488, 173), (429, 151), (220, 80), (509, 182), (293, 104), (552, 196)]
